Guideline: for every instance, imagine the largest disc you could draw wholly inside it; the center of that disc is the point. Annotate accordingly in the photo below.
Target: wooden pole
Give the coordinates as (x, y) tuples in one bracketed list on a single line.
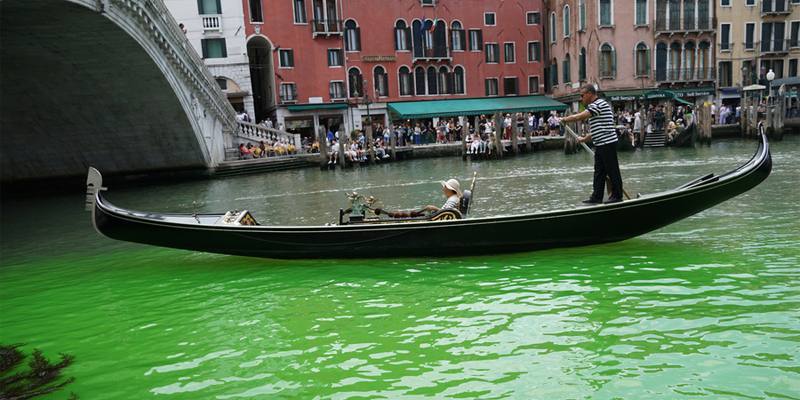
[(323, 148), (369, 140), (528, 133), (342, 158), (514, 134), (393, 143), (498, 134)]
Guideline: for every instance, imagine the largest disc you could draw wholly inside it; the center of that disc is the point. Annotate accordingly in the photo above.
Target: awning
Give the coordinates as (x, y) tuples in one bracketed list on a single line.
[(652, 94), (624, 95), (791, 81), (317, 106), (466, 107)]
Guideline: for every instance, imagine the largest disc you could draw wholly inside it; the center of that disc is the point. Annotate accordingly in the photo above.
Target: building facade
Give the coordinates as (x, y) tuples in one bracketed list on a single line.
[(215, 30), (629, 48), (330, 63), (756, 37)]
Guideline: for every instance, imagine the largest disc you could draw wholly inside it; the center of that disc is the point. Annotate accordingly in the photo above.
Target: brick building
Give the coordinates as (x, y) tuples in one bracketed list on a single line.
[(629, 48), (331, 62)]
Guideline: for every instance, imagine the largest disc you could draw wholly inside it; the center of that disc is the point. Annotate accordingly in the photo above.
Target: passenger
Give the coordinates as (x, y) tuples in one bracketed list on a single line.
[(452, 192)]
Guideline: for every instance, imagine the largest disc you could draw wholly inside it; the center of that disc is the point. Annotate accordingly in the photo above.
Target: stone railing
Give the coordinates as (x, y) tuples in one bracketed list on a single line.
[(155, 22), (257, 133)]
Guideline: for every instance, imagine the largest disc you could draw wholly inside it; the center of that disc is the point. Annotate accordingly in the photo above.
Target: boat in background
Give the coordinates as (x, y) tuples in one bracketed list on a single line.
[(238, 233)]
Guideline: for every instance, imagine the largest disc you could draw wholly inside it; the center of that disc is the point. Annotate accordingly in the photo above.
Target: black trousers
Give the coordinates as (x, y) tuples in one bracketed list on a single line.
[(606, 164)]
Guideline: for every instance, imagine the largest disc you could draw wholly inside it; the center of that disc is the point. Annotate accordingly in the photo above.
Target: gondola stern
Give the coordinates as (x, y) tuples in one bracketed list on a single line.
[(94, 186)]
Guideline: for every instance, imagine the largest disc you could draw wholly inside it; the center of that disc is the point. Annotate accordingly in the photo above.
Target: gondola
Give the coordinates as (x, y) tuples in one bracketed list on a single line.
[(239, 233), (685, 138)]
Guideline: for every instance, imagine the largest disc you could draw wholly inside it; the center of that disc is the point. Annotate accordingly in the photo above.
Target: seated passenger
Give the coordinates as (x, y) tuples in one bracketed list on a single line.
[(451, 190)]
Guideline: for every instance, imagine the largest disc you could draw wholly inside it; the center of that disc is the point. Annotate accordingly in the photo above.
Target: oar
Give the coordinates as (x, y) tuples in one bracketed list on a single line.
[(608, 180)]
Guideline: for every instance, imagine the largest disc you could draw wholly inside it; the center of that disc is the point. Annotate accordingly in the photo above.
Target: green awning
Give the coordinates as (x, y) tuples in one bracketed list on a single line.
[(653, 94), (624, 95), (466, 107), (694, 92), (318, 106)]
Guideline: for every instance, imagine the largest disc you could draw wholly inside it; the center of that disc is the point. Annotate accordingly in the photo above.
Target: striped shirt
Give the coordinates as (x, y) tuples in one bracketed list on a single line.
[(601, 124), (451, 203)]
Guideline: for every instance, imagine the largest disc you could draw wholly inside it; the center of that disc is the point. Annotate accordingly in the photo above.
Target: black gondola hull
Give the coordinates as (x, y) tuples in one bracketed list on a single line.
[(576, 227)]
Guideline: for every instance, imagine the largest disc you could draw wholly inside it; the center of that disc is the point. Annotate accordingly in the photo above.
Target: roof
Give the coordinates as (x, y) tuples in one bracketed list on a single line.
[(477, 106), (317, 106)]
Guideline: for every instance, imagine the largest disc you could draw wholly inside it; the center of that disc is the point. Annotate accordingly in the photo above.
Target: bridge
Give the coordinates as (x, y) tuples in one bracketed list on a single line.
[(108, 83)]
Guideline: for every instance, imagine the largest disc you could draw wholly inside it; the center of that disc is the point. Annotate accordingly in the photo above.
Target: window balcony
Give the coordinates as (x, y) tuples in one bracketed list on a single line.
[(684, 74), (326, 27), (289, 98), (781, 7), (434, 54), (212, 23), (776, 47), (684, 26)]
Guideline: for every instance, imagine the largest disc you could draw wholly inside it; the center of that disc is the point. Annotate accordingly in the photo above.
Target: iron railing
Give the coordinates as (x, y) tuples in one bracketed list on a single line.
[(326, 27), (684, 74)]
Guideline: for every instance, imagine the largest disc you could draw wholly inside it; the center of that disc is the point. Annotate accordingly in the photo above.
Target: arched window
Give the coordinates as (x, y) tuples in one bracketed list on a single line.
[(381, 81), (352, 34), (582, 65), (688, 15), (355, 82), (674, 15), (440, 39), (661, 61), (406, 88), (433, 84), (417, 40), (445, 85), (642, 60), (402, 36), (566, 69), (457, 36), (689, 61), (419, 79), (554, 72), (608, 61), (552, 27), (565, 21), (703, 60), (458, 80), (675, 50), (427, 38), (581, 15)]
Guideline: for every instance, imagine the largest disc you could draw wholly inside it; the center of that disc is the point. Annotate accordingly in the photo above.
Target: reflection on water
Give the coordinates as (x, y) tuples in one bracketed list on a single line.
[(704, 307)]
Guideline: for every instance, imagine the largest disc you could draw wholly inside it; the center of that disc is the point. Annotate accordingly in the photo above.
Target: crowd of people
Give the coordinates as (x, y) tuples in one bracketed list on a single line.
[(268, 148)]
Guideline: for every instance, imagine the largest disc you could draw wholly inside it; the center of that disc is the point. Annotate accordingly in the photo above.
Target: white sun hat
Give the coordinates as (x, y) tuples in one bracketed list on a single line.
[(453, 185)]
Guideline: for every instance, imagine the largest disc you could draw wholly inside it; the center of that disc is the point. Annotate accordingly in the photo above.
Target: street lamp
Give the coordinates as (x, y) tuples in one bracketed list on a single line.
[(770, 77)]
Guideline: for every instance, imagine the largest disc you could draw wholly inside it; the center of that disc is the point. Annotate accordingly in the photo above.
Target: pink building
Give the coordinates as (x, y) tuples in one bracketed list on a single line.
[(628, 48), (319, 62)]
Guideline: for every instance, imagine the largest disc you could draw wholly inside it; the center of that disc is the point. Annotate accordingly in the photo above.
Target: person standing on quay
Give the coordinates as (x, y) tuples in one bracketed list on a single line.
[(602, 134)]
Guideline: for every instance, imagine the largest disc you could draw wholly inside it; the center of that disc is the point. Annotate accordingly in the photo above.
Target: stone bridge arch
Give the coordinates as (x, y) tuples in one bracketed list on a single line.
[(109, 83)]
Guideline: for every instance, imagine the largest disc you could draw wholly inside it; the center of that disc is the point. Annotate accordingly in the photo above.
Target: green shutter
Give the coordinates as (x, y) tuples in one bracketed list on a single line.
[(613, 63), (204, 45)]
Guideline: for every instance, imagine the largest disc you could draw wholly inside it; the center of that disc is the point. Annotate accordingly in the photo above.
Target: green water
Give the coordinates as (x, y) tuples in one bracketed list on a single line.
[(709, 306)]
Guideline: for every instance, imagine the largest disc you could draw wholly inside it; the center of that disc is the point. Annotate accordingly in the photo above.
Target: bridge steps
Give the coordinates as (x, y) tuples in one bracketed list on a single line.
[(244, 167), (655, 139)]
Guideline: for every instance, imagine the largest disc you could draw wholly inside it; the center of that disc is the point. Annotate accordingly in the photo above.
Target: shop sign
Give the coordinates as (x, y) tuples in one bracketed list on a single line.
[(378, 58)]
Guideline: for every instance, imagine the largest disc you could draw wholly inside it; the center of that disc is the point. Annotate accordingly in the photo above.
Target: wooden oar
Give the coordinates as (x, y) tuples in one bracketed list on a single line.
[(608, 180)]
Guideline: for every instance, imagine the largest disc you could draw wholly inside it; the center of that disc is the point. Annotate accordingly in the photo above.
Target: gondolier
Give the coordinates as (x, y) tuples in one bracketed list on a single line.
[(602, 134)]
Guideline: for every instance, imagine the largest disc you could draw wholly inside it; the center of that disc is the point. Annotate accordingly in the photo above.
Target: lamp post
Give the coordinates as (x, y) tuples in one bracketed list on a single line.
[(770, 77), (368, 129)]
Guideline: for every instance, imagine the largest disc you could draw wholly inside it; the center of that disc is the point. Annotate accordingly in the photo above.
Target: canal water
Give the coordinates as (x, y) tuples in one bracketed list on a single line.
[(709, 306)]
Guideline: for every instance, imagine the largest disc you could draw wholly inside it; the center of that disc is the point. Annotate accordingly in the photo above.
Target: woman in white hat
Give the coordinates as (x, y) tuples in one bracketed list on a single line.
[(452, 192)]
